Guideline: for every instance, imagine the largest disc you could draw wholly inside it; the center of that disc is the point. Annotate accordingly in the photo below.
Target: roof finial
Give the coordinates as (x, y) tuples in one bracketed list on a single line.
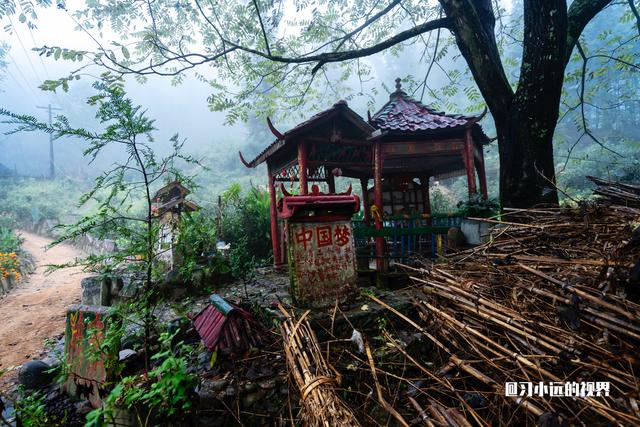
[(398, 85)]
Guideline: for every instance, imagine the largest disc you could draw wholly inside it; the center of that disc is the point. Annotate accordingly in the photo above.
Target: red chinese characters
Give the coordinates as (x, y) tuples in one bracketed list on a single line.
[(323, 235), (342, 234), (323, 258), (303, 236)]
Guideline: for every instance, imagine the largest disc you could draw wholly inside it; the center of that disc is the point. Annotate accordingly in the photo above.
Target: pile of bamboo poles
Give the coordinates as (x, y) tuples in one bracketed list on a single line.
[(321, 405), (553, 299)]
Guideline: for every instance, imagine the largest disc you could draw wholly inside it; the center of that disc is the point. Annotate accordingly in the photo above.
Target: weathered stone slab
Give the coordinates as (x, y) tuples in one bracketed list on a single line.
[(94, 291), (88, 363), (322, 262)]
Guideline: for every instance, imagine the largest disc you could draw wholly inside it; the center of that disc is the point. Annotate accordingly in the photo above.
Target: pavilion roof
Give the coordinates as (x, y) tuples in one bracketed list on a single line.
[(405, 114), (339, 109)]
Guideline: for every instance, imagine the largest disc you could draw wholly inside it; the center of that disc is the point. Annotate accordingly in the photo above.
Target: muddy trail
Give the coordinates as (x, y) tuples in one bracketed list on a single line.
[(35, 309)]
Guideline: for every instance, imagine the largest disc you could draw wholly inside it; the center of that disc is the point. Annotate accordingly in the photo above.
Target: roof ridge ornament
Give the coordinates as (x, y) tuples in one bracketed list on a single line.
[(399, 93)]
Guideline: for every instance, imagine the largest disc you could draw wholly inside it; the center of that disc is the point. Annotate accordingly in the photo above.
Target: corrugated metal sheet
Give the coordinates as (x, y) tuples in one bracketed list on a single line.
[(225, 326)]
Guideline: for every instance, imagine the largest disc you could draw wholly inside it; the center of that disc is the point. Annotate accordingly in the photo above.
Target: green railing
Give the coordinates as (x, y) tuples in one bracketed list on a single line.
[(405, 236)]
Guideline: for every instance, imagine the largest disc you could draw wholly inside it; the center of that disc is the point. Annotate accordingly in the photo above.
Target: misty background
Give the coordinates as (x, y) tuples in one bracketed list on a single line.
[(183, 108)]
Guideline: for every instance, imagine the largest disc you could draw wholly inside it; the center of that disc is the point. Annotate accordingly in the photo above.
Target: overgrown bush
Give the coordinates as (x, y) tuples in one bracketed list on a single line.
[(197, 246), (27, 200), (10, 245), (31, 411), (443, 200), (244, 220), (476, 206), (165, 393), (9, 240)]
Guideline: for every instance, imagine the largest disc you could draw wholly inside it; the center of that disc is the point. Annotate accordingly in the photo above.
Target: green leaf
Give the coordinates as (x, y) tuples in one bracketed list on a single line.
[(214, 358), (125, 52)]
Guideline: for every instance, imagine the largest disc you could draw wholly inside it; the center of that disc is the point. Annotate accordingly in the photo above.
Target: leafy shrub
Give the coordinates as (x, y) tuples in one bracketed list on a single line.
[(10, 245), (28, 200), (245, 220), (479, 207), (9, 240), (197, 246), (166, 392), (443, 200), (31, 410)]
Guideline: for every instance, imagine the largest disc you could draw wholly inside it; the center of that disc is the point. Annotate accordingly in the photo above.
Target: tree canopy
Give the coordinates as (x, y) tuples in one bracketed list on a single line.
[(263, 56)]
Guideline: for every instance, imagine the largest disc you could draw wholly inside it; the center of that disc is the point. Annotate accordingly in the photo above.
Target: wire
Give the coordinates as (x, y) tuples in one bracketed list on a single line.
[(44, 67), (33, 68), (28, 86)]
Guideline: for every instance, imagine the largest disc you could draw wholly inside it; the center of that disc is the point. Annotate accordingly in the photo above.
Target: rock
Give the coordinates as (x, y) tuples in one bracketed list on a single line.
[(94, 291), (83, 407), (268, 384), (218, 385), (126, 354), (250, 399), (455, 239), (230, 391), (35, 375), (52, 361)]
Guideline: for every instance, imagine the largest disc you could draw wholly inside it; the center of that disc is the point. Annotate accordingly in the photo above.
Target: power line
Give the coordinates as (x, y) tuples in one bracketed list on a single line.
[(44, 67), (33, 68), (21, 73), (21, 87)]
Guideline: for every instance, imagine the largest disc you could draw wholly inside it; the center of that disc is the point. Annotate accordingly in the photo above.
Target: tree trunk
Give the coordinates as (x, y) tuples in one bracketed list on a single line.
[(527, 173)]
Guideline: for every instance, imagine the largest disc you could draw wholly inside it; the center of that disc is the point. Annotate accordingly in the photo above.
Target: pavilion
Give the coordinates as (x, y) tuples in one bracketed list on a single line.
[(403, 142)]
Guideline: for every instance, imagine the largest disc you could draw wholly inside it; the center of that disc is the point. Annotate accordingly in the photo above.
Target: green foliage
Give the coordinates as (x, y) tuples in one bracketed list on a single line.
[(443, 201), (31, 410), (197, 246), (9, 240), (478, 207), (27, 200), (243, 263), (166, 393), (245, 221)]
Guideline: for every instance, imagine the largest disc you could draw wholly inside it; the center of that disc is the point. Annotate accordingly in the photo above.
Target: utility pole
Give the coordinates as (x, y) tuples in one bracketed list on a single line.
[(52, 170)]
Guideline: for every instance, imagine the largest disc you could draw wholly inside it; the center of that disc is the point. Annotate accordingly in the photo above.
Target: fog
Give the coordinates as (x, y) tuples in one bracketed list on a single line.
[(178, 108), (183, 108)]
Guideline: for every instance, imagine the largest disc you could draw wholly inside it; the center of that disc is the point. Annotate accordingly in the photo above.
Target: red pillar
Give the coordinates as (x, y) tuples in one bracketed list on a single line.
[(467, 156), (273, 213), (482, 175), (377, 199), (365, 198), (302, 166), (426, 203)]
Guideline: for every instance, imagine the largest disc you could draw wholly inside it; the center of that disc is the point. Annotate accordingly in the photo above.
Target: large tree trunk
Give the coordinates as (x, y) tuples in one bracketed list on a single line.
[(527, 173), (525, 120)]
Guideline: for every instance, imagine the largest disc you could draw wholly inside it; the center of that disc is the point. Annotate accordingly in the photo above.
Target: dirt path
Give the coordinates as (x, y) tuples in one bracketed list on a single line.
[(36, 309)]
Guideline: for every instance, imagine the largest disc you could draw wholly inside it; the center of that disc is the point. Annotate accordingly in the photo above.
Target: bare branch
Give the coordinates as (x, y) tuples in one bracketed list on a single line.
[(264, 33), (580, 13), (634, 10), (585, 127)]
